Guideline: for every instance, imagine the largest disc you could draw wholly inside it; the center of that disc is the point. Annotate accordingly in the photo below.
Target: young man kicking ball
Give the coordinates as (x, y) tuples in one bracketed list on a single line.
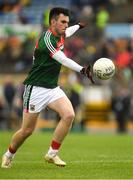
[(42, 90)]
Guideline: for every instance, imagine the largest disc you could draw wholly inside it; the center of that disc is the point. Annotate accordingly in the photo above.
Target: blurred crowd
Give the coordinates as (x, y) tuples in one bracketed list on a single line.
[(11, 94), (13, 5), (85, 48)]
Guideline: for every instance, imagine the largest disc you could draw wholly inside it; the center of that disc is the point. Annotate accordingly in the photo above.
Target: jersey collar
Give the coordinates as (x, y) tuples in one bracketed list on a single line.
[(53, 32)]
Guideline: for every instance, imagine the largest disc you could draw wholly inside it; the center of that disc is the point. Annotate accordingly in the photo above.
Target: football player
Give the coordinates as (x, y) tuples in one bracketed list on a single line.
[(42, 90)]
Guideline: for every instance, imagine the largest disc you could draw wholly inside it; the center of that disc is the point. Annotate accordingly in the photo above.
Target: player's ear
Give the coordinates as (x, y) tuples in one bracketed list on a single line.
[(53, 21)]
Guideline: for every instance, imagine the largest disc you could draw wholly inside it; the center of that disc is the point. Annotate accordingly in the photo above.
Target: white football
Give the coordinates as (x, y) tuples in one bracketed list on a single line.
[(104, 68)]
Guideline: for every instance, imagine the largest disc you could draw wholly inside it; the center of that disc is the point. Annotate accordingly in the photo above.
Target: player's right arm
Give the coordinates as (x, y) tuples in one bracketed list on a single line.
[(64, 60)]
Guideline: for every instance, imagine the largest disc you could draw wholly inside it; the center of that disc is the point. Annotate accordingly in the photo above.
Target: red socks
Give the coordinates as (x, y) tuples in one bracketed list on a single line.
[(11, 150), (55, 145)]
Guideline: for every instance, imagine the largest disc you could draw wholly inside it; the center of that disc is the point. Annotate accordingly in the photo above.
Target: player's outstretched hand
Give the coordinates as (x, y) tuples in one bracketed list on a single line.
[(87, 71)]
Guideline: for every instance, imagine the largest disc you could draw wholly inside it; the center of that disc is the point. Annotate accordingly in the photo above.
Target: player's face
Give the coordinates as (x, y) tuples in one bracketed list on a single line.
[(60, 24)]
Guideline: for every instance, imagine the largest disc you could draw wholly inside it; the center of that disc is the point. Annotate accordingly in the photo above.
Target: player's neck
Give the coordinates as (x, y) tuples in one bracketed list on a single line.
[(54, 32)]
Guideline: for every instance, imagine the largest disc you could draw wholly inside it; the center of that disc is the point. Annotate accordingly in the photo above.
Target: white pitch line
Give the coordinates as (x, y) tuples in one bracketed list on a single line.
[(77, 162), (103, 161)]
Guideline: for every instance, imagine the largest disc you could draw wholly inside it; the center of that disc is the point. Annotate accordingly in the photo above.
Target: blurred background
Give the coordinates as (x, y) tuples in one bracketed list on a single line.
[(106, 106)]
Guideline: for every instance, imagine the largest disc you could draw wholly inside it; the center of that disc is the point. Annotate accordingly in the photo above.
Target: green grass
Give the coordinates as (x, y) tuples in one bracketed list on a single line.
[(87, 156)]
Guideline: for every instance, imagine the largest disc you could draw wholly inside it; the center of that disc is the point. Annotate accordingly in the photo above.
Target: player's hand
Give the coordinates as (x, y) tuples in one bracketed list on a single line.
[(82, 25), (87, 71)]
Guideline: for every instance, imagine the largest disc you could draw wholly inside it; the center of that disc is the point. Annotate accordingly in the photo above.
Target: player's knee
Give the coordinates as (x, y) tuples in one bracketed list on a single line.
[(68, 119), (69, 116)]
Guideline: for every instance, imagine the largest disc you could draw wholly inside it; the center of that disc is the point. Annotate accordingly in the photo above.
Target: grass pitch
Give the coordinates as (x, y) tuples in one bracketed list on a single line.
[(87, 156)]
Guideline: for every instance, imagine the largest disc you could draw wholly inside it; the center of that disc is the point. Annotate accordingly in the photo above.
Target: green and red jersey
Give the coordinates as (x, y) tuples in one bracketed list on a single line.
[(45, 70)]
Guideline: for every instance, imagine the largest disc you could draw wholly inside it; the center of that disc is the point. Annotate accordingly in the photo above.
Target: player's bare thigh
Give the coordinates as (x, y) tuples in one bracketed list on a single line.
[(29, 120), (62, 106)]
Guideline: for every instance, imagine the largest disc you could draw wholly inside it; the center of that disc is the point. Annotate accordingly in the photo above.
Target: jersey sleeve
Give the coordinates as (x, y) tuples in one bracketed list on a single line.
[(64, 60), (71, 30), (50, 43)]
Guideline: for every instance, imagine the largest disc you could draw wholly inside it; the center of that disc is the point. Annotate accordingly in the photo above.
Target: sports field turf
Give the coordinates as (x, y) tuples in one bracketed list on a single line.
[(87, 156)]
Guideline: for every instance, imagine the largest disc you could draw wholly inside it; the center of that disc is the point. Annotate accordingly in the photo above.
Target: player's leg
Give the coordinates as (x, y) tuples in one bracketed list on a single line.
[(28, 126), (64, 108)]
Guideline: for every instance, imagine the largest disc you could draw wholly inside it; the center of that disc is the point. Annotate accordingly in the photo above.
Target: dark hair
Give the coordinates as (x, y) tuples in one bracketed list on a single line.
[(54, 12)]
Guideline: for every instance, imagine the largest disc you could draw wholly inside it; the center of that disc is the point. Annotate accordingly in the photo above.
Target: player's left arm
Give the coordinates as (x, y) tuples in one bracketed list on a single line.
[(72, 29)]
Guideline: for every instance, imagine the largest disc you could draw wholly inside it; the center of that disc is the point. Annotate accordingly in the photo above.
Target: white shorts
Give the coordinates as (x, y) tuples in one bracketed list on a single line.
[(36, 98)]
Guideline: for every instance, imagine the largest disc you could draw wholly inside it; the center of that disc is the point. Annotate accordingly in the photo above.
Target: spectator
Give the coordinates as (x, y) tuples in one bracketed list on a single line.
[(75, 98), (123, 56), (2, 116), (121, 106), (9, 94), (102, 18), (46, 18)]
